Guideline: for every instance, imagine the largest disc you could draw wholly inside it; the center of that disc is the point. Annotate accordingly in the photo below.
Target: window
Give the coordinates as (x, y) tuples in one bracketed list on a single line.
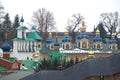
[(67, 46), (113, 47), (84, 44), (98, 46)]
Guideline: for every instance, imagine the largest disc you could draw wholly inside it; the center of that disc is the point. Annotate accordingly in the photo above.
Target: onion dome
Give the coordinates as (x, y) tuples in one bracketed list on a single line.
[(50, 34), (33, 28), (35, 55), (81, 36), (91, 53), (83, 28), (113, 35), (6, 46), (56, 43), (97, 39), (66, 39), (22, 19), (49, 40), (113, 40), (97, 32), (66, 32)]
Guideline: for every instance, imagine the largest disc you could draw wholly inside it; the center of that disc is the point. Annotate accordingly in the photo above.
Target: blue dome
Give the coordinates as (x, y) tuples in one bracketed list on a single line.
[(49, 41), (66, 39), (81, 36), (56, 43), (97, 38), (33, 28), (112, 41), (22, 19), (6, 46)]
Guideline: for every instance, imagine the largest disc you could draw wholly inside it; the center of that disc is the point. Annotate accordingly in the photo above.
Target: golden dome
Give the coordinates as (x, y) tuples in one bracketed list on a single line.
[(83, 28), (50, 34), (35, 55), (113, 35), (97, 31), (66, 32), (91, 53)]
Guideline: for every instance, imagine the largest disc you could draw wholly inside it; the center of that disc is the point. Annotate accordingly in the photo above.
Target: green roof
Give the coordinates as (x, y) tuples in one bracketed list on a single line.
[(33, 36), (10, 59), (21, 28), (17, 39), (29, 64), (3, 68)]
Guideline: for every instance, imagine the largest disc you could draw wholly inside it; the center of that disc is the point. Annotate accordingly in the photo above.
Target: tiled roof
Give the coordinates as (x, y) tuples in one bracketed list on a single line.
[(33, 36), (17, 39), (21, 28)]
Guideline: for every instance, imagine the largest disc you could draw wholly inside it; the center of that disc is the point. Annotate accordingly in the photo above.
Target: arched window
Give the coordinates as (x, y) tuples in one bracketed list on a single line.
[(98, 46), (52, 46), (113, 47), (67, 46), (84, 44)]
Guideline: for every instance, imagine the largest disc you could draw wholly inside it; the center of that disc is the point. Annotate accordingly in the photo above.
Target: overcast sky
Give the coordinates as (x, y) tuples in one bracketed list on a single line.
[(62, 9)]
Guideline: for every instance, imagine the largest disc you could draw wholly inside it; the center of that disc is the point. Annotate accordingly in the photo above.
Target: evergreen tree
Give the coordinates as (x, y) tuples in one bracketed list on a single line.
[(1, 13), (16, 22), (45, 64), (7, 23), (103, 33)]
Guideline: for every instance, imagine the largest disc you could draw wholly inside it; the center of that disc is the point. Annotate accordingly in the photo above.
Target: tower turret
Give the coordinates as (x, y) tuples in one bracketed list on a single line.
[(66, 41), (21, 30), (6, 47)]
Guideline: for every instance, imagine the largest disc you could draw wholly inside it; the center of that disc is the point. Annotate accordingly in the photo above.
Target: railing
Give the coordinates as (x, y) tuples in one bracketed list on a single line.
[(86, 68)]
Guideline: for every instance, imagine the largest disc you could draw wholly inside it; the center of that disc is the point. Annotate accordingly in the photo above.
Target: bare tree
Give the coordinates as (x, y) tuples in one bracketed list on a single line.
[(73, 25), (111, 21), (74, 22), (44, 20)]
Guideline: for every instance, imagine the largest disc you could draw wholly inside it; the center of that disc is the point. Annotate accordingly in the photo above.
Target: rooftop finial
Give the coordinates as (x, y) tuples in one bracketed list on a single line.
[(66, 32), (97, 32), (50, 34), (22, 20), (83, 28), (113, 35)]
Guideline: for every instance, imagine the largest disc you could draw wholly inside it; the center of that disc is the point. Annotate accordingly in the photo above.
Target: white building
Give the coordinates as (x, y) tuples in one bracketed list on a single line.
[(26, 44)]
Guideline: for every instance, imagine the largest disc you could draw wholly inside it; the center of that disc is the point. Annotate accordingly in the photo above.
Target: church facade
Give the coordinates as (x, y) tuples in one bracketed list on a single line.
[(25, 45)]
